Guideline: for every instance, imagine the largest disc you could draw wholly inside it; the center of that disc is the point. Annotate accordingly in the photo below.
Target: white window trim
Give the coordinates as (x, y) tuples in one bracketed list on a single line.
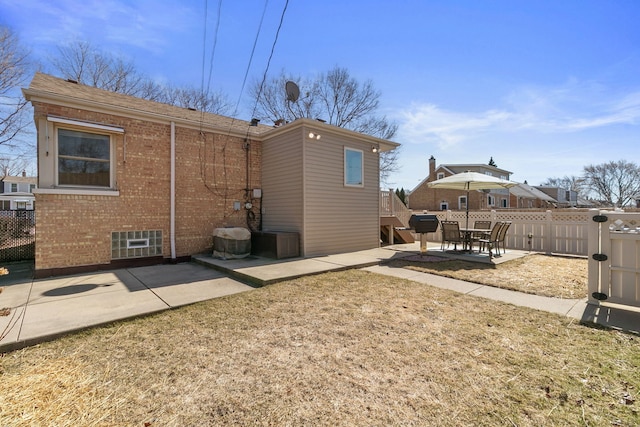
[(446, 206), (440, 175), (89, 191), (109, 129), (462, 205), (491, 200), (347, 184)]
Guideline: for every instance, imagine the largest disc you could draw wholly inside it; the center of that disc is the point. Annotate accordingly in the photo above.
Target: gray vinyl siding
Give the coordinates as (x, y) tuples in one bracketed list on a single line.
[(339, 218), (282, 183), (303, 191)]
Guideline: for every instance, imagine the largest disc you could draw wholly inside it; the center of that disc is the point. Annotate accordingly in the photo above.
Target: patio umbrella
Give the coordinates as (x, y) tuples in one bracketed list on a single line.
[(467, 181)]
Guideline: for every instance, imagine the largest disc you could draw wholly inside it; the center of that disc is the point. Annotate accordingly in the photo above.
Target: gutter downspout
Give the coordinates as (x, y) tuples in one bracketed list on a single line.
[(172, 235)]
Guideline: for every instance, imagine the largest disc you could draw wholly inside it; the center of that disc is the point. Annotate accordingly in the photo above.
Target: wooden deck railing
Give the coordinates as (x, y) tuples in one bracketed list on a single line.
[(391, 205)]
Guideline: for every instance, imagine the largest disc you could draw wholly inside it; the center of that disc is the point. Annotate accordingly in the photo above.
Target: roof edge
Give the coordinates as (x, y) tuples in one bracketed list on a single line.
[(385, 144)]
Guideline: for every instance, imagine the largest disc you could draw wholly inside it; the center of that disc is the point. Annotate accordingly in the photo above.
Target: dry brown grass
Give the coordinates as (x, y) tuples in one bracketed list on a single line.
[(554, 276), (348, 348)]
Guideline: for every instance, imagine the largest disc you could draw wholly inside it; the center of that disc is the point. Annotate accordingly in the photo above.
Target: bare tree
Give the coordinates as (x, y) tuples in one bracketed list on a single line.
[(14, 69), (12, 166), (616, 183), (81, 62), (188, 97), (272, 103), (573, 183), (334, 96)]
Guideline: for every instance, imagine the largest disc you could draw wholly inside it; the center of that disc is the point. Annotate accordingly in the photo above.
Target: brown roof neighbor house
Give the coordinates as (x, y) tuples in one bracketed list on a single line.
[(124, 180), (422, 197)]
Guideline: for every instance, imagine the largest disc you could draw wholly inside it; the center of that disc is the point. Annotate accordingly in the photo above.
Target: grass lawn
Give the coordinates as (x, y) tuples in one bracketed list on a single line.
[(553, 276), (348, 348)]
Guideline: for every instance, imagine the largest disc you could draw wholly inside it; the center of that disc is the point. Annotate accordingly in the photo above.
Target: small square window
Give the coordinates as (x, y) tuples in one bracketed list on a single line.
[(353, 167)]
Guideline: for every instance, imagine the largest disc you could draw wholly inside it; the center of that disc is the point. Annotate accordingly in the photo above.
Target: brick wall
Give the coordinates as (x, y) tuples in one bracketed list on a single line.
[(211, 174), (425, 198)]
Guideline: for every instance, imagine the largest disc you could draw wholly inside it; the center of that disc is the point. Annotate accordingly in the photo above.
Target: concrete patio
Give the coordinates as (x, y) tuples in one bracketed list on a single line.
[(47, 308)]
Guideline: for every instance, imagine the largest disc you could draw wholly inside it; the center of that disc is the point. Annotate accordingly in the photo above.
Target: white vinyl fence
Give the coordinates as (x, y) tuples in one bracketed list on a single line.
[(614, 259), (562, 232), (610, 240)]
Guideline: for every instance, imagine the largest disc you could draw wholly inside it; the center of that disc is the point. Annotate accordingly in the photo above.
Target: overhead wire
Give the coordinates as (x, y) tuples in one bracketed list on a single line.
[(266, 70), (250, 214), (244, 81), (205, 94), (253, 50)]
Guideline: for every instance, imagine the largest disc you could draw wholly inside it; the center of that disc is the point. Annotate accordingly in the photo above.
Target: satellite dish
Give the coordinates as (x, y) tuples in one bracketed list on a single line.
[(293, 91)]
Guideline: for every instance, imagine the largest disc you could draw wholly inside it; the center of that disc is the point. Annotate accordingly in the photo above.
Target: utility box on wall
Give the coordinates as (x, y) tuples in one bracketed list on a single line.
[(275, 244)]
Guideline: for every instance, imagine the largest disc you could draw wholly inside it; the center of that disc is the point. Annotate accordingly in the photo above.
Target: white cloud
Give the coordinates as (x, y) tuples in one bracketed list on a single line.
[(573, 107), (147, 24)]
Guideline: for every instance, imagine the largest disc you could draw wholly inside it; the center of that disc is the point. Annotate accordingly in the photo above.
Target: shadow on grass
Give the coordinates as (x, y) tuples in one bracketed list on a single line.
[(442, 265)]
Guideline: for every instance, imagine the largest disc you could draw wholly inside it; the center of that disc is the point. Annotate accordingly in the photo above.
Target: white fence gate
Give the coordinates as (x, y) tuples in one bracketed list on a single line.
[(614, 259)]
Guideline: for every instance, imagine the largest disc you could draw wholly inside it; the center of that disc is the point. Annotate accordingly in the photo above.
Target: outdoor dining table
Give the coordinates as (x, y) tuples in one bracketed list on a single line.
[(468, 235)]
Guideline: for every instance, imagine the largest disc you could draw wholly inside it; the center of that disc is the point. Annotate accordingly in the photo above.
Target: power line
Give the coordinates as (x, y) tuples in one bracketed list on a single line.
[(273, 47), (205, 93), (253, 50), (213, 48)]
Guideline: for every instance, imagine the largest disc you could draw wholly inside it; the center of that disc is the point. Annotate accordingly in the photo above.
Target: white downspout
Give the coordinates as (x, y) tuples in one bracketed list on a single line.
[(173, 192)]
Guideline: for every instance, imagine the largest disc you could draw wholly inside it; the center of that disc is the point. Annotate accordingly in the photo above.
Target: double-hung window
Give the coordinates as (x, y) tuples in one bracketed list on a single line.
[(84, 159), (353, 167), (462, 202)]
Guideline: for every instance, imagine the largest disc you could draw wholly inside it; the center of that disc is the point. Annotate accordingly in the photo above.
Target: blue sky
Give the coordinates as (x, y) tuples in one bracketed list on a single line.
[(543, 87)]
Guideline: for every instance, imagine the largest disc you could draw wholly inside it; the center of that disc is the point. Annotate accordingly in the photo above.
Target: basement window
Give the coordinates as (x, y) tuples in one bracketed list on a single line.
[(137, 243)]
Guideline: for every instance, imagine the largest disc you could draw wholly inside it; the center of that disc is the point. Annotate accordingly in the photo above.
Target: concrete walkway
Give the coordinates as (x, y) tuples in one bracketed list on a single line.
[(45, 309)]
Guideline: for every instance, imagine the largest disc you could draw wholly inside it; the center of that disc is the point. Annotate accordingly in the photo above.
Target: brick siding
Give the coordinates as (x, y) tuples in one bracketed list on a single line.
[(211, 174)]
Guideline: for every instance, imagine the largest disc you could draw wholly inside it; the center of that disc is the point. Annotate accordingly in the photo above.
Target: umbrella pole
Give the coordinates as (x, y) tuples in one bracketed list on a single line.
[(467, 235), (467, 223)]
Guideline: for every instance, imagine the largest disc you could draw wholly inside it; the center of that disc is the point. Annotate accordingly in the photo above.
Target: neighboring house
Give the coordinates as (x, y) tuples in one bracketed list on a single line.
[(17, 193), (422, 197), (122, 180), (564, 198), (524, 196)]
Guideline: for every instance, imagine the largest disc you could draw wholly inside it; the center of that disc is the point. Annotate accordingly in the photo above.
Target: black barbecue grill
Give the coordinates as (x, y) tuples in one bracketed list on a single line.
[(424, 223)]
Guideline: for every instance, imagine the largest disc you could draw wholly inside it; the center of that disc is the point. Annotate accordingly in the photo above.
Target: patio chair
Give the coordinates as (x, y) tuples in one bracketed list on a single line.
[(491, 240), (451, 234), (502, 235), (480, 225)]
